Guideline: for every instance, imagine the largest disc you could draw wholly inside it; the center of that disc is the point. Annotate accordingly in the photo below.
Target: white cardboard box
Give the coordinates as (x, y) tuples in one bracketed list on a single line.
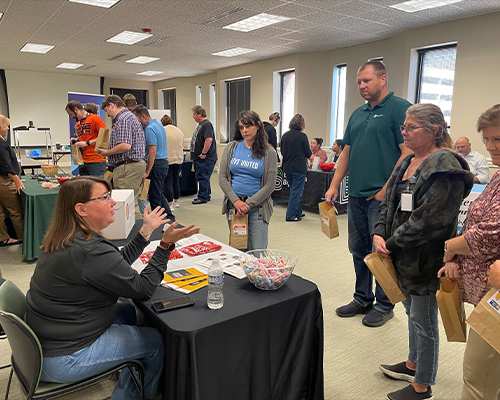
[(124, 214)]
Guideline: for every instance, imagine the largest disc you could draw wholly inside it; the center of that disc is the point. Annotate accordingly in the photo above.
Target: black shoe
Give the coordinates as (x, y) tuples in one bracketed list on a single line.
[(198, 201), (376, 318), (409, 393), (398, 371), (293, 219), (352, 309), (302, 215)]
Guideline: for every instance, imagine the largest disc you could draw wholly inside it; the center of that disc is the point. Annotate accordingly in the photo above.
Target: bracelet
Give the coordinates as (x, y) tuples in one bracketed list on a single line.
[(144, 235), (445, 250)]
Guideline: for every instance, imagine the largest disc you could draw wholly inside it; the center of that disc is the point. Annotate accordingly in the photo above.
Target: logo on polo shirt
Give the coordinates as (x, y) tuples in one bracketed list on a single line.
[(378, 115)]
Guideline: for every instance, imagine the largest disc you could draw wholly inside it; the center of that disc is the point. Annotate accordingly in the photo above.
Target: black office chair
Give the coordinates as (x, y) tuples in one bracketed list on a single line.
[(27, 353), (3, 336)]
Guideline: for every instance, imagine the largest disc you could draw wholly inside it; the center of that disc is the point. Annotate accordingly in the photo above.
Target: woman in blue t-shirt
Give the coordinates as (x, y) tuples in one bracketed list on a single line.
[(247, 176)]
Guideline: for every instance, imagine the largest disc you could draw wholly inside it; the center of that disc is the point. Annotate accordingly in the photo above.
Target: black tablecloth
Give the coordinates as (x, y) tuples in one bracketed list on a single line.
[(317, 184), (187, 180), (262, 345)]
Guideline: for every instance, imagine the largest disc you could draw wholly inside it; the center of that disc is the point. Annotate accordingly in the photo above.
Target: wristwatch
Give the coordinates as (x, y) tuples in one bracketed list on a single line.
[(88, 142), (167, 246), (203, 154)]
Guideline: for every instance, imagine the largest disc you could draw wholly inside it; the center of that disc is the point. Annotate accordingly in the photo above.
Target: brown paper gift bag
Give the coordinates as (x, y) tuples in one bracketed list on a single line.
[(328, 218), (452, 311), (77, 155), (144, 190), (102, 141), (485, 319), (385, 274), (108, 175), (238, 232)]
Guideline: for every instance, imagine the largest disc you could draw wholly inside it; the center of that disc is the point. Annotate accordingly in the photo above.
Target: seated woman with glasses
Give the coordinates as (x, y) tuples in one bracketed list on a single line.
[(418, 214), (72, 300)]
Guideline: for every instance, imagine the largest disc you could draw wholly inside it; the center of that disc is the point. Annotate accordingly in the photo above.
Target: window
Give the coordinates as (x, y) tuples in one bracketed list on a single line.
[(287, 101), (435, 78), (237, 99), (198, 95), (141, 96), (213, 114), (338, 102), (170, 104)]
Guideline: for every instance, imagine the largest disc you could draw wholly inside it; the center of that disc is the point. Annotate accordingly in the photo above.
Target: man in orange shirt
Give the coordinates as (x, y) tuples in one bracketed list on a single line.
[(87, 129)]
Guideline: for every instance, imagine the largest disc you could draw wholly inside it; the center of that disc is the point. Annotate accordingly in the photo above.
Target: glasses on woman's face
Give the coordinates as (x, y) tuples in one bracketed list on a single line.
[(409, 129), (106, 198)]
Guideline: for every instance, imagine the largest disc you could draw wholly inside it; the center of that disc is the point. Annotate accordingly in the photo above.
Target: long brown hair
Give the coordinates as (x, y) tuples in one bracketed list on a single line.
[(66, 222), (260, 143)]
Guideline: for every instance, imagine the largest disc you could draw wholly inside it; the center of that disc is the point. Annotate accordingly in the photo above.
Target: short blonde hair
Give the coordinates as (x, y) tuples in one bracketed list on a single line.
[(4, 120)]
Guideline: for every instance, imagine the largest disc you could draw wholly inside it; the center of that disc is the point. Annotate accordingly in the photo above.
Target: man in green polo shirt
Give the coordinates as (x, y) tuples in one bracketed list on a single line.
[(373, 147)]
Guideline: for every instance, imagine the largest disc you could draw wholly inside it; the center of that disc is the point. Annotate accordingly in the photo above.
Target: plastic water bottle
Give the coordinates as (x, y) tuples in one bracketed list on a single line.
[(215, 299)]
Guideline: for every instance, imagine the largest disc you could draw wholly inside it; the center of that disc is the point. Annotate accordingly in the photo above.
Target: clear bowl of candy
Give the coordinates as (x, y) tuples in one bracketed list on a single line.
[(268, 269)]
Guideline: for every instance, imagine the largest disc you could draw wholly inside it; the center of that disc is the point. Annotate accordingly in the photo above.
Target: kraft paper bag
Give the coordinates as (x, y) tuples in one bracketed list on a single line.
[(327, 214), (77, 155), (485, 319), (238, 232), (102, 139), (108, 175), (144, 190), (452, 311), (385, 274)]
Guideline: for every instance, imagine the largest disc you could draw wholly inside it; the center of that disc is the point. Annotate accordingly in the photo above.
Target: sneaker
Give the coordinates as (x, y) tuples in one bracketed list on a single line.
[(398, 371), (172, 208), (409, 393), (198, 201), (176, 204), (376, 318), (352, 309)]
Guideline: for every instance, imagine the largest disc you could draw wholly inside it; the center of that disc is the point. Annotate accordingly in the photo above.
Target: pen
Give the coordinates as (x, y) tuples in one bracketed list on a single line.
[(333, 201)]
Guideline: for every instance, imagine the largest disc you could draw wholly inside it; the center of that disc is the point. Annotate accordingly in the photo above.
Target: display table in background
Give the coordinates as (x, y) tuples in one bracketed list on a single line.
[(38, 204), (187, 180), (317, 184)]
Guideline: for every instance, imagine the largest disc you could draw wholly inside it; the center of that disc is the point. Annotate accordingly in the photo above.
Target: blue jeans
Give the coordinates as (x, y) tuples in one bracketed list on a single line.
[(296, 183), (361, 218), (203, 171), (423, 332), (93, 168), (157, 177), (118, 343), (171, 187), (257, 230)]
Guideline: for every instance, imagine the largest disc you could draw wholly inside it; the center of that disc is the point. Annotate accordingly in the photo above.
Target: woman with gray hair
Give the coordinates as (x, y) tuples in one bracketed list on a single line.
[(418, 214), (10, 188)]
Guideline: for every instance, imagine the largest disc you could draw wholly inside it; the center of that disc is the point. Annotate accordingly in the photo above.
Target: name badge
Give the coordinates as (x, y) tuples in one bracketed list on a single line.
[(407, 201)]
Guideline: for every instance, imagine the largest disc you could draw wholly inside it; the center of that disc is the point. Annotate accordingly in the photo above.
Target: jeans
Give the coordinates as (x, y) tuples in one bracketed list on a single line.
[(203, 171), (423, 332), (157, 177), (361, 218), (118, 343), (257, 230), (171, 187), (296, 183), (93, 168)]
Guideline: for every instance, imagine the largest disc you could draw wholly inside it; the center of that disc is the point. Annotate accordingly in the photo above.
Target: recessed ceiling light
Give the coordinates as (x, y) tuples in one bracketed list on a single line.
[(69, 65), (151, 73), (128, 37), (420, 5), (142, 60), (256, 22), (237, 51), (37, 48), (98, 3)]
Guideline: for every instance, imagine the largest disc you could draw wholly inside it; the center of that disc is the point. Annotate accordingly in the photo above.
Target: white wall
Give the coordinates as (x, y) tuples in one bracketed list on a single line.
[(42, 98)]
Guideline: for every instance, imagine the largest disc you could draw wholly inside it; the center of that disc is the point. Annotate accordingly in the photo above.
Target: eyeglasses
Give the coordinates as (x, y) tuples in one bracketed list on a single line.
[(408, 129), (106, 197)]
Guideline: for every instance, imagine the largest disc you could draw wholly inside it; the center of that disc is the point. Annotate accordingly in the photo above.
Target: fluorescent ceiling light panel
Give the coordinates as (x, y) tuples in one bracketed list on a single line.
[(1, 15), (256, 22), (37, 48), (237, 51), (98, 3), (420, 5), (151, 73), (69, 65), (142, 60), (128, 37)]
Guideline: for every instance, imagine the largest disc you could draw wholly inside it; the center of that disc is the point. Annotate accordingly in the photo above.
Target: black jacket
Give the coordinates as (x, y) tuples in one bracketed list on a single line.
[(295, 151)]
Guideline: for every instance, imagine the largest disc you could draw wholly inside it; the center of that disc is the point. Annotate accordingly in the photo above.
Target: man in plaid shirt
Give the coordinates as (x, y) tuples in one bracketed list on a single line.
[(127, 147)]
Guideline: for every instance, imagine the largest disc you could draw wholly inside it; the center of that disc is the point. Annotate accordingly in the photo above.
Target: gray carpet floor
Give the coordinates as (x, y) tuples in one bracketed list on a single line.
[(352, 351)]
